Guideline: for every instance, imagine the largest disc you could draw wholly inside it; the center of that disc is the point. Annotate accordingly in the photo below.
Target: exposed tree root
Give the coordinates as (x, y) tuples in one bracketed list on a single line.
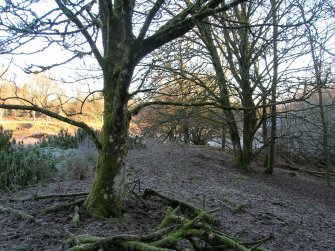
[(17, 213), (198, 231)]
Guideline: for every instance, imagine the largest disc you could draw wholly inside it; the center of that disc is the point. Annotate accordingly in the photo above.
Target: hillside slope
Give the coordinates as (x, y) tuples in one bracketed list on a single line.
[(298, 210)]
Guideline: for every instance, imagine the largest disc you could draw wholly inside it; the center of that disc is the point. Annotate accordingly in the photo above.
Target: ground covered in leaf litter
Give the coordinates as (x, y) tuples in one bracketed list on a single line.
[(296, 209)]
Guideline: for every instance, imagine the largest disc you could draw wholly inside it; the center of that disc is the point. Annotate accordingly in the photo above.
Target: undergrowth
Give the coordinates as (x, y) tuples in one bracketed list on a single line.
[(21, 166), (64, 139)]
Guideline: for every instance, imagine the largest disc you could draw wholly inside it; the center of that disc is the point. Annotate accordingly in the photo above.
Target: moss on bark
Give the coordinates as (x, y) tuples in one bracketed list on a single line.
[(105, 198)]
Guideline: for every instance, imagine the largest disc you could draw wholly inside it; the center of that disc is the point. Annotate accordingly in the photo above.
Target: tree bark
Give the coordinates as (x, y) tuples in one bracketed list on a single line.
[(107, 191), (239, 57), (105, 198), (249, 116), (273, 133)]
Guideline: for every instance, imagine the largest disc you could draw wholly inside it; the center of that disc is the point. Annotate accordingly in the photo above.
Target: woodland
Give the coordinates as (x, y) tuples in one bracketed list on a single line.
[(167, 125)]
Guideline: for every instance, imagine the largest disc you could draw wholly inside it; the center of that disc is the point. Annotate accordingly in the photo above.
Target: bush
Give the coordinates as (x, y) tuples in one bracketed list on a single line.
[(64, 139), (78, 163), (21, 166), (5, 139), (78, 168)]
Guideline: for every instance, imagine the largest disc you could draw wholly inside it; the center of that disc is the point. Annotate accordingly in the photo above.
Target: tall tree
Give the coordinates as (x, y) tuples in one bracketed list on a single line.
[(318, 41), (127, 36), (208, 39), (273, 112)]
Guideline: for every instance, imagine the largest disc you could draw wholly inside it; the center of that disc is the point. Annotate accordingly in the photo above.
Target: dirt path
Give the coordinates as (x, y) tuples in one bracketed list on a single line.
[(298, 210)]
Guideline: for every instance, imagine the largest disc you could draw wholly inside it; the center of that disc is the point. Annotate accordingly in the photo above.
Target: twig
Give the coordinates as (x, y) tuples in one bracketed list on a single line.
[(135, 194)]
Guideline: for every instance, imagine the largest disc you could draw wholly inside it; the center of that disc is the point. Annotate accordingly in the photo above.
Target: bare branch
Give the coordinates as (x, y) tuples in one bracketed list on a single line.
[(81, 27), (181, 23), (149, 18)]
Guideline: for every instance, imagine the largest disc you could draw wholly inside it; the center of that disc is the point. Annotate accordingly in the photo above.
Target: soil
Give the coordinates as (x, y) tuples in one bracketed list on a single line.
[(297, 209)]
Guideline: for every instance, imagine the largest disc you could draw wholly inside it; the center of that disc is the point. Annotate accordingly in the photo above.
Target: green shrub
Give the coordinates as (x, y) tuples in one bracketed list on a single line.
[(5, 139), (24, 166), (21, 166), (64, 139)]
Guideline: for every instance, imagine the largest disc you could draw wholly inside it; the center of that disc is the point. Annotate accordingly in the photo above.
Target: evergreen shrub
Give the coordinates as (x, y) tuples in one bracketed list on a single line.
[(64, 139), (21, 166)]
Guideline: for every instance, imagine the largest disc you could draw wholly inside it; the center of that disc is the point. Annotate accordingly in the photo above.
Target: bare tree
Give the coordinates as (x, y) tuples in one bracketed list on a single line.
[(273, 112), (127, 36), (318, 42)]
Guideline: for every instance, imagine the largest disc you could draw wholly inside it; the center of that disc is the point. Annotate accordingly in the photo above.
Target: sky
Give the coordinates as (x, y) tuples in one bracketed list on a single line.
[(56, 54)]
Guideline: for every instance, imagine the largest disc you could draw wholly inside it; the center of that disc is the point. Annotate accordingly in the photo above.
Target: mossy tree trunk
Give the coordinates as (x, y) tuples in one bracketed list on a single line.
[(121, 53), (249, 125), (265, 134), (105, 198), (239, 56)]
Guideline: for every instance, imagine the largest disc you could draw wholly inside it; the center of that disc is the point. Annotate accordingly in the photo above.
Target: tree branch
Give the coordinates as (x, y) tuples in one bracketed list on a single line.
[(81, 27), (149, 18), (137, 109), (180, 24)]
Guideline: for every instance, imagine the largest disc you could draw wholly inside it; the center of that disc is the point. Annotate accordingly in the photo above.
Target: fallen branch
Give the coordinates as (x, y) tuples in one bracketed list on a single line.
[(19, 214), (61, 207), (90, 242), (320, 174), (292, 166), (47, 196), (198, 231), (184, 207)]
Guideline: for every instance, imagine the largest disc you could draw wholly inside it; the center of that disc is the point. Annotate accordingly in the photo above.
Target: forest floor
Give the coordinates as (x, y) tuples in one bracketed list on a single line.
[(296, 208)]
